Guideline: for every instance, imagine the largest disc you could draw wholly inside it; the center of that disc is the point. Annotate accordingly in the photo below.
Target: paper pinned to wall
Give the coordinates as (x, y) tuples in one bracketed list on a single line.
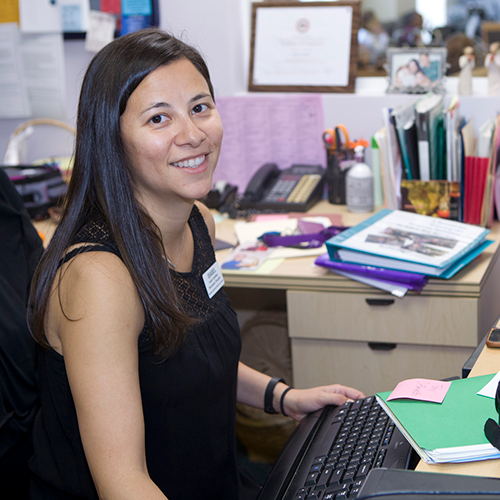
[(14, 102), (258, 129), (75, 15), (101, 30), (9, 11), (40, 16), (43, 72)]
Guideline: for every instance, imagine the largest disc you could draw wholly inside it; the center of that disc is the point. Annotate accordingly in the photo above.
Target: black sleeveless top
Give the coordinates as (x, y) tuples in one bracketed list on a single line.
[(189, 400)]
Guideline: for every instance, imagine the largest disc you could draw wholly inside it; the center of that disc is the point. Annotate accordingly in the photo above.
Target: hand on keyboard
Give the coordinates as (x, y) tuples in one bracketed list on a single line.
[(299, 402)]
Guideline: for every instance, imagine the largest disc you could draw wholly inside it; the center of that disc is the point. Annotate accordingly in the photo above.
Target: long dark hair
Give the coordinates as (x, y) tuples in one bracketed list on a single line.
[(101, 184)]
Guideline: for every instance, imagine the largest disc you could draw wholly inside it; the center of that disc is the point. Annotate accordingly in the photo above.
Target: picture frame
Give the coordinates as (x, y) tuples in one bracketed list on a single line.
[(490, 32), (304, 46), (416, 70)]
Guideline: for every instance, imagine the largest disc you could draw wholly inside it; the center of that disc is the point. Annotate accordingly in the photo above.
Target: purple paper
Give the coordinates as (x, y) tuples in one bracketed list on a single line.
[(410, 280)]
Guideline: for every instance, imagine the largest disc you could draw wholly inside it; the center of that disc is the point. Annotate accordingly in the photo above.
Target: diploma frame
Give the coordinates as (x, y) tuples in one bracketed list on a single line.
[(312, 87)]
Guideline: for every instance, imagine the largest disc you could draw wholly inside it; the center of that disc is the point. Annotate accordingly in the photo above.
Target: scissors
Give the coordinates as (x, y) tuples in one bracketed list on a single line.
[(332, 138)]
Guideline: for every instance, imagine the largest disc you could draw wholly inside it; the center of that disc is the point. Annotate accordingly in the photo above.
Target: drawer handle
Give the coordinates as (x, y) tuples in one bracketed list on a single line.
[(379, 302), (382, 346)]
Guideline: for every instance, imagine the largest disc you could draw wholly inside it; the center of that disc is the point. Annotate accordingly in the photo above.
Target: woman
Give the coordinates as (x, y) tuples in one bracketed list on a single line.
[(421, 79), (139, 369)]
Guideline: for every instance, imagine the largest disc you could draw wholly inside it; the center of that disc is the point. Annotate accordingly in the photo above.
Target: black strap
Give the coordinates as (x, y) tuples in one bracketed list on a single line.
[(268, 396)]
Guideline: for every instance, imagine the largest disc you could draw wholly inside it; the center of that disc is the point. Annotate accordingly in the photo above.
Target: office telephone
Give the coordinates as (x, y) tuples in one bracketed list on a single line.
[(295, 189)]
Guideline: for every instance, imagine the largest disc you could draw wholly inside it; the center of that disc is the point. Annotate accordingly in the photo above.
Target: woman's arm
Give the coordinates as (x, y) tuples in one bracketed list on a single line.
[(97, 329), (298, 402)]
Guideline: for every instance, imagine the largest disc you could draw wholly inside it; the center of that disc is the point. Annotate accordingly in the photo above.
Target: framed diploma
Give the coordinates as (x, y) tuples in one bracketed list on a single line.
[(304, 46)]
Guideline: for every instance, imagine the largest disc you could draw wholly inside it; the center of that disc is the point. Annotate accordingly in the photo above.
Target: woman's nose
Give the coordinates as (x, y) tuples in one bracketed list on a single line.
[(189, 134)]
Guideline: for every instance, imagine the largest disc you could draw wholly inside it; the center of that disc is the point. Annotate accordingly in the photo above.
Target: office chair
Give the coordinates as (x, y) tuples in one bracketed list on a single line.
[(20, 250)]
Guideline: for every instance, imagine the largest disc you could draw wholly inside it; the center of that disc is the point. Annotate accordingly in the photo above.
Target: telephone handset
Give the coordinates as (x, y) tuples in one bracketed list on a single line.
[(295, 189), (264, 176)]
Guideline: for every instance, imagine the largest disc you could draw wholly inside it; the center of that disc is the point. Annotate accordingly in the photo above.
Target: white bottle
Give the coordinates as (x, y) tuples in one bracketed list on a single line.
[(359, 184)]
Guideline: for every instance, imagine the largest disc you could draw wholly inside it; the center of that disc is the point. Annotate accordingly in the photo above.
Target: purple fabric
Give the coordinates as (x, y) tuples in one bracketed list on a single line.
[(309, 240)]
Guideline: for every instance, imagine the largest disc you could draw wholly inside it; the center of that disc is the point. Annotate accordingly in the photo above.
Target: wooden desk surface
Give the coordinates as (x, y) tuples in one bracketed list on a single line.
[(301, 274)]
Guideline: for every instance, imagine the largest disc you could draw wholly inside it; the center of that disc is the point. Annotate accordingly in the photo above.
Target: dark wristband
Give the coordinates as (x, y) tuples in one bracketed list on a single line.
[(268, 396), (282, 400)]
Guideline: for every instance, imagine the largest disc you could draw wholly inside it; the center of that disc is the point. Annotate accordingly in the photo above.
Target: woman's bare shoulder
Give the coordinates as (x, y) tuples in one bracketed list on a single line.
[(94, 292)]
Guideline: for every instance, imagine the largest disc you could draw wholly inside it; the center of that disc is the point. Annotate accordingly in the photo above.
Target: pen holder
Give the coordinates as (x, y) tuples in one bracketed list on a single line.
[(336, 165)]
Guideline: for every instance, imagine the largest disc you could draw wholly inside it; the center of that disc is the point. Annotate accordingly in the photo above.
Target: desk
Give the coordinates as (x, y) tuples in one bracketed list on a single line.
[(487, 362), (330, 324)]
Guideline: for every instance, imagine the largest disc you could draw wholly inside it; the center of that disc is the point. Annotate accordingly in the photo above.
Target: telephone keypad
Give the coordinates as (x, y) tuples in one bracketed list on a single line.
[(304, 188), (282, 189)]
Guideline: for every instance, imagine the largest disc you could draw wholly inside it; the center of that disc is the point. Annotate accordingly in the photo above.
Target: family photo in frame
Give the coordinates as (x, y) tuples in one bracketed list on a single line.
[(416, 71)]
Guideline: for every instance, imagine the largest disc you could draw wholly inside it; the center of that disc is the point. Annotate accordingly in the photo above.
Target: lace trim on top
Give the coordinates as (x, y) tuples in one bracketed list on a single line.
[(190, 286)]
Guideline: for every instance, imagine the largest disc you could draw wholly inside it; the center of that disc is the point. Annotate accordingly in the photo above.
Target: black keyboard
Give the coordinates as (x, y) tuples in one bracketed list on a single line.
[(332, 451)]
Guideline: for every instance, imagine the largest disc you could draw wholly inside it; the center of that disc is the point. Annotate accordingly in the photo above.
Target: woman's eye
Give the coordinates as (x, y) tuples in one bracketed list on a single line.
[(199, 108), (157, 119)]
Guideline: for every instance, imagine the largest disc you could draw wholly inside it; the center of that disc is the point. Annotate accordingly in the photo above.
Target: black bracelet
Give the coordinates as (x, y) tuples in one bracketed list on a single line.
[(268, 396), (283, 399)]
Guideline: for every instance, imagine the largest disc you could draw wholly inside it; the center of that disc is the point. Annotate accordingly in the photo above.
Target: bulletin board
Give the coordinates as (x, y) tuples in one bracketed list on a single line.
[(115, 7)]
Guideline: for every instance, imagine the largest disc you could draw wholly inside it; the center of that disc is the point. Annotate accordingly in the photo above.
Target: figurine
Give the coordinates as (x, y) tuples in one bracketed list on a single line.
[(492, 62), (467, 62)]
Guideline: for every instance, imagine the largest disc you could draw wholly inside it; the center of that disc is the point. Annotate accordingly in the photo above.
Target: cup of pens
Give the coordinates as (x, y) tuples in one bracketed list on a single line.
[(338, 155)]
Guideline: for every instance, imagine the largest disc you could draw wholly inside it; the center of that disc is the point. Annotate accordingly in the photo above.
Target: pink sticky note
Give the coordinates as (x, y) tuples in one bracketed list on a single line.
[(266, 217), (421, 389)]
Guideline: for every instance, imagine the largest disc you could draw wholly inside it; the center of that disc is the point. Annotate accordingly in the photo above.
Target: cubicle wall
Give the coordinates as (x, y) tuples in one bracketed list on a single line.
[(220, 29)]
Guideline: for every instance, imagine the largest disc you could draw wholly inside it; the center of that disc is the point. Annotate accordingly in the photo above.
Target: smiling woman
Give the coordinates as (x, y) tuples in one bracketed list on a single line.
[(174, 145), (138, 343)]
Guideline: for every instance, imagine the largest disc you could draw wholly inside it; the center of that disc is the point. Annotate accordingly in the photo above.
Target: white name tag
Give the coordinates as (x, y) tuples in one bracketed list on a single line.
[(213, 279)]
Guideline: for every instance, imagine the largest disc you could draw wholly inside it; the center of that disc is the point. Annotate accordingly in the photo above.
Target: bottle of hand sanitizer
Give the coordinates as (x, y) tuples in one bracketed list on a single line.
[(359, 184)]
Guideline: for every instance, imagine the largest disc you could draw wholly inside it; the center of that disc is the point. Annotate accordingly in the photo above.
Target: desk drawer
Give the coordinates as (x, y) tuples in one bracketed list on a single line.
[(412, 319), (355, 364)]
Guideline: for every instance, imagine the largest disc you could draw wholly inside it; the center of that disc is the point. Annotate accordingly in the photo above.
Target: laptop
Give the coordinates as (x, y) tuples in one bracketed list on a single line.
[(331, 452)]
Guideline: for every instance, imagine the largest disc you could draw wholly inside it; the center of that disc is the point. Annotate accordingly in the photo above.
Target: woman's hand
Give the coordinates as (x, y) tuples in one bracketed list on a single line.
[(299, 402)]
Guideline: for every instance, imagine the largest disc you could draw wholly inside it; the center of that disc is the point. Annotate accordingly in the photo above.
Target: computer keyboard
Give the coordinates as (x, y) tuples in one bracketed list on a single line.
[(335, 458)]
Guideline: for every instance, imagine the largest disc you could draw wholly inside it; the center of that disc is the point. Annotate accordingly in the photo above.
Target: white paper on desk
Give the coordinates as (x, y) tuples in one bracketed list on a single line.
[(303, 46), (490, 389), (40, 16), (14, 102), (43, 70), (251, 231), (277, 128)]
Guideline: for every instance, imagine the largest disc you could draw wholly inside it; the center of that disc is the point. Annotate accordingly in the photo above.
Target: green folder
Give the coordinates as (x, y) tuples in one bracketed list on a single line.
[(456, 422)]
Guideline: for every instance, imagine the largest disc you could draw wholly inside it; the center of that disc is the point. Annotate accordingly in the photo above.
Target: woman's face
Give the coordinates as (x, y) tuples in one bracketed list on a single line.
[(172, 134), (413, 67)]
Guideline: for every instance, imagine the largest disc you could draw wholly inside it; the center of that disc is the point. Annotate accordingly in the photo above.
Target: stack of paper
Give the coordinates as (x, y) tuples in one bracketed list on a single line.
[(451, 431), (406, 241)]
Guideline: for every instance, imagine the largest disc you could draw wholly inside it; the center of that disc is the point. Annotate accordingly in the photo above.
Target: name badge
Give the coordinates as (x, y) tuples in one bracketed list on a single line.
[(213, 279)]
